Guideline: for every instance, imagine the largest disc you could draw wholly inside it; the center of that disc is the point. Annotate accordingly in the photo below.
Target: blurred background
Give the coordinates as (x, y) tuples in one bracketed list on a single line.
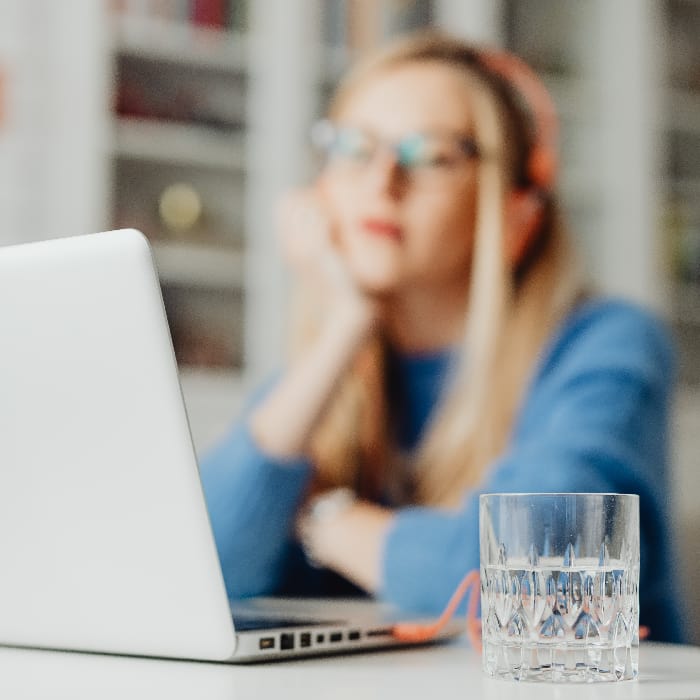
[(187, 118)]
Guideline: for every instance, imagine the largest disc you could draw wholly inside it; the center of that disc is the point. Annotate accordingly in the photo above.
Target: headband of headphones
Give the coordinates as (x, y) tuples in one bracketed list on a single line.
[(542, 162)]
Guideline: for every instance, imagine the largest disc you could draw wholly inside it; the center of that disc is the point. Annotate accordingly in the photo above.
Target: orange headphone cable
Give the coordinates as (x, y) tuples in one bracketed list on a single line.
[(415, 632)]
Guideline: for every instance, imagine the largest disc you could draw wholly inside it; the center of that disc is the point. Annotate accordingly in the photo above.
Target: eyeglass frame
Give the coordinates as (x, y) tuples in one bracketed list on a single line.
[(323, 129)]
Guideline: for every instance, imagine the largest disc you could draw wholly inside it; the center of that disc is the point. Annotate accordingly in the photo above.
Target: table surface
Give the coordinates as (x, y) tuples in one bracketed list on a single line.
[(450, 670)]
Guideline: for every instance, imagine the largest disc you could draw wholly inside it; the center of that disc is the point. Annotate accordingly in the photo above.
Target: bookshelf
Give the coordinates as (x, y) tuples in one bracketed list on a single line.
[(680, 129), (679, 132), (178, 162), (563, 57)]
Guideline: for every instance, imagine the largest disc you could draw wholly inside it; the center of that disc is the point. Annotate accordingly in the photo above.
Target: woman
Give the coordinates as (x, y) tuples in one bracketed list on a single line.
[(443, 346)]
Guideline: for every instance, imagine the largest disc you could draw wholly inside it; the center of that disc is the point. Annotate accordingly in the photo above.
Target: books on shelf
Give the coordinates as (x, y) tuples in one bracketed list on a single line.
[(209, 13), (221, 14)]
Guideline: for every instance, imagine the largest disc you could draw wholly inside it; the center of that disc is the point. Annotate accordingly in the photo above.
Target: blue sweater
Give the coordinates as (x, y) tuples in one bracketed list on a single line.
[(594, 418)]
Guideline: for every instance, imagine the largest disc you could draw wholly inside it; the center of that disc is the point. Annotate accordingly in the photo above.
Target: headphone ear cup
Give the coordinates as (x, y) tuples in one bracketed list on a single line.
[(524, 217), (542, 167)]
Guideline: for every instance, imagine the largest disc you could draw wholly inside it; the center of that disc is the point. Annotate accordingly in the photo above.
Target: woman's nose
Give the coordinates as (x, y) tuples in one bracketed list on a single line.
[(384, 171)]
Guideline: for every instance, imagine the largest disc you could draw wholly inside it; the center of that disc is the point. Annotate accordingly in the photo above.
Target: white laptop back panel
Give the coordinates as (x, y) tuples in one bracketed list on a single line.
[(90, 406)]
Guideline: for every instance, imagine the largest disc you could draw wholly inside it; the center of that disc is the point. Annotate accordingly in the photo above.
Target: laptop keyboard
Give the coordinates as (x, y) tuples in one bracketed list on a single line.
[(247, 622)]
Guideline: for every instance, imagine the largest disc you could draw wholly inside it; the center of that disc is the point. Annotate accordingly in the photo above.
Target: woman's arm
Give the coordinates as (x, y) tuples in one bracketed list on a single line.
[(252, 500), (283, 423), (595, 419), (415, 557), (255, 480)]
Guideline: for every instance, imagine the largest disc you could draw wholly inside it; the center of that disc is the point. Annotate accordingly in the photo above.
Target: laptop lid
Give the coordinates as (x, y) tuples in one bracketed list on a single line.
[(105, 543)]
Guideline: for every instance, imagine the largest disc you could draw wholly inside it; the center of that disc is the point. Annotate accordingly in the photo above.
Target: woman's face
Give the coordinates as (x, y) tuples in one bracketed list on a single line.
[(413, 224)]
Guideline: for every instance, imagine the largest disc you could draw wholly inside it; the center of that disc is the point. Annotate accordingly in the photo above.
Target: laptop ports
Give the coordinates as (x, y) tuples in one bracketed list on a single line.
[(336, 637), (383, 632), (305, 639), (354, 635), (266, 643), (287, 641)]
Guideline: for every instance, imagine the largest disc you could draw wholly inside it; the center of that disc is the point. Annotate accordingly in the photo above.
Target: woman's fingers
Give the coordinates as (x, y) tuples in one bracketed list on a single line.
[(303, 228), (307, 240)]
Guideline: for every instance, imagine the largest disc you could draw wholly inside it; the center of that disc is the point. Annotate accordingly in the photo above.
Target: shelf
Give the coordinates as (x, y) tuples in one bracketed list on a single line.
[(178, 144), (683, 110), (180, 43), (207, 267)]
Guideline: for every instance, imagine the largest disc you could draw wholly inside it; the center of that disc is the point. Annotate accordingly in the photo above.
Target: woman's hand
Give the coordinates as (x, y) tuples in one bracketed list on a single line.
[(346, 535), (309, 244), (283, 423)]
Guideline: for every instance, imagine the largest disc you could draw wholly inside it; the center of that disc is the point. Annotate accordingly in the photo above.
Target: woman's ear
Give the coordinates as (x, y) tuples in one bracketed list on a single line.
[(524, 217)]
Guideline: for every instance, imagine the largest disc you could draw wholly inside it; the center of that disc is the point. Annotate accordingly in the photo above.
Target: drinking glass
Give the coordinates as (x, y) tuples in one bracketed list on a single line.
[(560, 586)]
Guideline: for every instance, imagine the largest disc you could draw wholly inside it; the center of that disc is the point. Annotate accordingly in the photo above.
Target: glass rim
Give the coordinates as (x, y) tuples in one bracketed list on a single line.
[(557, 493)]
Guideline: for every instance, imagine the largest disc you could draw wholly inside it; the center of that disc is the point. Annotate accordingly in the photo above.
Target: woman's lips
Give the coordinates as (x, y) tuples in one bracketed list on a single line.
[(380, 227)]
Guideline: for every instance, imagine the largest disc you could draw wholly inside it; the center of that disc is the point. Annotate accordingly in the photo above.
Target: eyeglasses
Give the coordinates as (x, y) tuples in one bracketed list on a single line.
[(427, 158)]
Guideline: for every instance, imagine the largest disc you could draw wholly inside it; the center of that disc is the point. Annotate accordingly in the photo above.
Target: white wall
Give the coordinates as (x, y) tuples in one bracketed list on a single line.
[(52, 166)]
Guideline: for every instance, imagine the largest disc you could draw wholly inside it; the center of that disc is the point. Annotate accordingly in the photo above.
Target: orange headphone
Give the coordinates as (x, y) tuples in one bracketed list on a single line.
[(525, 208)]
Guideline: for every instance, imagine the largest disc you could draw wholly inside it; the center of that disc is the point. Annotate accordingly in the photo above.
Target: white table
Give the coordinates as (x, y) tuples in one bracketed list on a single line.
[(445, 671)]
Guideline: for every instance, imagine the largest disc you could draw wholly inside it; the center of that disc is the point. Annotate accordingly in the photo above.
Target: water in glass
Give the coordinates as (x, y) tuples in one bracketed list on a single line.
[(561, 620)]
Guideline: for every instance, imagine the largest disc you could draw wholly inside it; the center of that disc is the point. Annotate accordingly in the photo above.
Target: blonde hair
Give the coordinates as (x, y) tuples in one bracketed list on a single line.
[(511, 315)]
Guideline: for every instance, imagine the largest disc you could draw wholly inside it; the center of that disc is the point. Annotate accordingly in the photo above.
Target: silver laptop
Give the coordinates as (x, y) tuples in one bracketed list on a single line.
[(105, 542)]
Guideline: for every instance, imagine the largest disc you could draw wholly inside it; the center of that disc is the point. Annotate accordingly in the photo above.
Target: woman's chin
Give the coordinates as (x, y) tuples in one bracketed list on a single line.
[(376, 281)]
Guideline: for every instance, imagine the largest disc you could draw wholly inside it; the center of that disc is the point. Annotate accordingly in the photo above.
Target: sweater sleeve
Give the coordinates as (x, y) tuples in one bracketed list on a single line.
[(594, 419), (252, 500)]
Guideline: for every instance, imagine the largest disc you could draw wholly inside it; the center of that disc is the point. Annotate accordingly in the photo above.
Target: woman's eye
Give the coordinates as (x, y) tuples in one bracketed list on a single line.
[(439, 159), (421, 152), (435, 159)]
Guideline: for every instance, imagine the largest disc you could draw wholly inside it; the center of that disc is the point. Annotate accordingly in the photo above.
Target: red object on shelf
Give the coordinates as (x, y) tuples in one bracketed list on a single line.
[(210, 13)]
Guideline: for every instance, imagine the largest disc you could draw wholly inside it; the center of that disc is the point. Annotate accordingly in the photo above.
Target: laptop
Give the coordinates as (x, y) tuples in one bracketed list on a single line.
[(105, 541)]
